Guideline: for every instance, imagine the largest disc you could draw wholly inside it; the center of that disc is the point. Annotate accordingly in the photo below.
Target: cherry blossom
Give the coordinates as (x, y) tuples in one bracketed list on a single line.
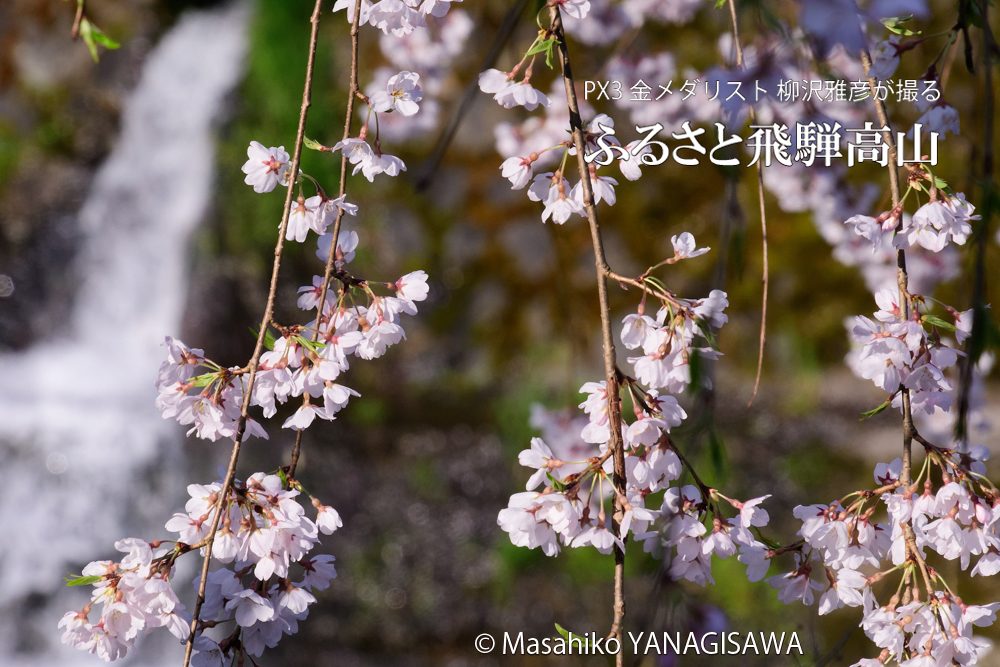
[(517, 170), (369, 162), (402, 94), (685, 246), (509, 93), (265, 167)]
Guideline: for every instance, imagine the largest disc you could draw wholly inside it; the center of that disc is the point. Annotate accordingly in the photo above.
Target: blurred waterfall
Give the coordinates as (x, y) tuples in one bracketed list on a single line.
[(86, 458)]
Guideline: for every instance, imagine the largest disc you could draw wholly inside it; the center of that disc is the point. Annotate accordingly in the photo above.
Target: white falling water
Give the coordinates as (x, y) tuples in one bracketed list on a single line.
[(80, 440)]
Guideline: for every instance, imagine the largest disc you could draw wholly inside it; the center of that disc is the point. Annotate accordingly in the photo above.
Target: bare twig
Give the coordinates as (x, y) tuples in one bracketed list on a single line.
[(429, 167), (975, 344), (740, 62), (265, 320), (352, 94), (610, 368), (81, 13), (705, 489)]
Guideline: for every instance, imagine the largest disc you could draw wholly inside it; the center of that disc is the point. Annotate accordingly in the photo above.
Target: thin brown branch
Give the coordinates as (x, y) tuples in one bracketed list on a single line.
[(352, 94), (705, 489), (593, 465), (909, 431), (293, 173), (81, 13), (794, 546), (911, 544), (740, 62), (429, 168), (616, 446), (975, 344)]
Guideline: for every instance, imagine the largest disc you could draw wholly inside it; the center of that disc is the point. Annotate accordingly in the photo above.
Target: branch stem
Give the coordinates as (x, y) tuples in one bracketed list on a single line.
[(975, 344), (81, 13), (741, 63), (615, 445), (265, 320), (902, 282), (352, 94)]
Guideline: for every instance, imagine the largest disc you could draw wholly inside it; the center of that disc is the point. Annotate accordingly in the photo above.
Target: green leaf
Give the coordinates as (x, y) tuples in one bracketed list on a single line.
[(92, 36), (269, 338), (87, 32), (544, 45), (313, 145), (872, 413), (74, 580), (939, 323), (555, 483), (719, 4), (566, 633), (895, 24), (102, 39), (204, 380), (312, 346)]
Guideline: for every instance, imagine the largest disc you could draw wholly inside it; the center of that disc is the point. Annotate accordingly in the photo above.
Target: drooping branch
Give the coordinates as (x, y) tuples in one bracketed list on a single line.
[(81, 13), (616, 446), (741, 63), (902, 283), (989, 190), (352, 95), (265, 321)]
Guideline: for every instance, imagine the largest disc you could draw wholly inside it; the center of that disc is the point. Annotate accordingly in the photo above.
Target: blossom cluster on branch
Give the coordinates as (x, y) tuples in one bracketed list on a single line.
[(868, 549), (264, 535), (256, 531)]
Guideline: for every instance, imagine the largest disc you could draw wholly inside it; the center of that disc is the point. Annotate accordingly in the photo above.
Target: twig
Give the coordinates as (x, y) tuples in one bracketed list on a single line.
[(615, 444), (705, 489), (352, 94), (975, 345), (834, 652), (81, 13), (429, 167), (909, 431), (740, 62), (265, 320)]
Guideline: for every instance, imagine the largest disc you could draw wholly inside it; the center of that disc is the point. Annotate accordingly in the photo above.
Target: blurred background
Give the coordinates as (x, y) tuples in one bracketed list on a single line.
[(124, 218)]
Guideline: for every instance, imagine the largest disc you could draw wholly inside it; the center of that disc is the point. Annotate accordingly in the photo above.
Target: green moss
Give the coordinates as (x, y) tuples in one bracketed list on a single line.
[(11, 146)]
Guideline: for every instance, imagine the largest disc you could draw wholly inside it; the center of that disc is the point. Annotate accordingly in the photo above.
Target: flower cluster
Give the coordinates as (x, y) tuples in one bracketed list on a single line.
[(266, 536), (209, 402), (845, 551), (136, 597), (430, 52), (304, 359), (898, 352), (560, 199), (258, 529), (396, 17), (933, 226), (570, 509), (295, 364)]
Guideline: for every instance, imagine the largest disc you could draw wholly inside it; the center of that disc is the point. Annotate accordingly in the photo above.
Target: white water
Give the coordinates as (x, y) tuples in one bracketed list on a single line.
[(84, 455)]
